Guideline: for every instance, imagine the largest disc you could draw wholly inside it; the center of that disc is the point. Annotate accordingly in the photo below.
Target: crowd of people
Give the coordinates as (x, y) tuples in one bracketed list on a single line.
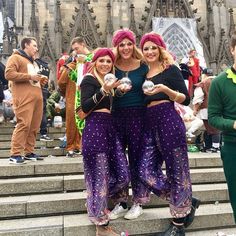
[(130, 129)]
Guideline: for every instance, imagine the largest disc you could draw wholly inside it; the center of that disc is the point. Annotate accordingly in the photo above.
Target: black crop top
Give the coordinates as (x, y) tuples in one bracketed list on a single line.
[(172, 78), (91, 95)]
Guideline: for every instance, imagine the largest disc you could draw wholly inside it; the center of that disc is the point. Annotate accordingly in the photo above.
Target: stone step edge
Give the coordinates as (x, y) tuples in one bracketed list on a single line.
[(72, 202), (57, 165), (153, 220), (79, 176), (213, 232), (202, 157), (82, 194), (60, 183)]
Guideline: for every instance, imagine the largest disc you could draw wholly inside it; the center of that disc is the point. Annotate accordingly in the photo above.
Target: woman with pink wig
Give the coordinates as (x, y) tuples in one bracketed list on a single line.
[(164, 137), (98, 139), (128, 116)]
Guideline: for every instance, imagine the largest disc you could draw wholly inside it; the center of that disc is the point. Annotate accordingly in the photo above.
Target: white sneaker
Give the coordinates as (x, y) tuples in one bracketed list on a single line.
[(117, 212), (1, 119), (135, 211), (190, 135)]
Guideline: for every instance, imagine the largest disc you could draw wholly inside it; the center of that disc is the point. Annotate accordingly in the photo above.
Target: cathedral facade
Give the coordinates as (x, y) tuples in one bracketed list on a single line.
[(54, 23)]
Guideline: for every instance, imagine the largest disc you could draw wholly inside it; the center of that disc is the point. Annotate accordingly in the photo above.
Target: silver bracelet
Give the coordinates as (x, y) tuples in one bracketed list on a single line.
[(95, 99), (104, 93)]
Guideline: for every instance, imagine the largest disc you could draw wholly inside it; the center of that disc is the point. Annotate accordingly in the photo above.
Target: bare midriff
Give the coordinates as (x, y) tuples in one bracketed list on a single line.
[(154, 103)]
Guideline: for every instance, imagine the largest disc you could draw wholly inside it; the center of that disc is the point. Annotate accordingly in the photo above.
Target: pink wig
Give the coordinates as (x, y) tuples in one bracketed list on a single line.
[(153, 37), (122, 34), (101, 52)]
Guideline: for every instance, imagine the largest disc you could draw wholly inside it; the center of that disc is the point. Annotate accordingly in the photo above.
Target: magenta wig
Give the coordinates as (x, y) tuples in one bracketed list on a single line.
[(153, 37), (122, 34)]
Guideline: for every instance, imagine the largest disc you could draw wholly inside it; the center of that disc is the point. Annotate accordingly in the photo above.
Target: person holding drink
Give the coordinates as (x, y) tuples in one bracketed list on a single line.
[(27, 100)]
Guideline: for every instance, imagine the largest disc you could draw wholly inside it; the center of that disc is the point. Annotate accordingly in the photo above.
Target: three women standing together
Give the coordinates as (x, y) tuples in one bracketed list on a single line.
[(147, 124)]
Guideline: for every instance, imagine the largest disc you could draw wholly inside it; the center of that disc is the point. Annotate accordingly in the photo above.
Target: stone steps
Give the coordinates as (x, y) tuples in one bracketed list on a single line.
[(61, 183), (41, 152), (39, 144), (9, 130), (69, 202), (49, 166), (228, 231), (152, 221), (48, 198), (7, 137), (62, 165)]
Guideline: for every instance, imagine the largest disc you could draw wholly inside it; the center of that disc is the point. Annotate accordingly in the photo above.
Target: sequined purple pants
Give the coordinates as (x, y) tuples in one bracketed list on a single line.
[(164, 140), (99, 152), (129, 124)]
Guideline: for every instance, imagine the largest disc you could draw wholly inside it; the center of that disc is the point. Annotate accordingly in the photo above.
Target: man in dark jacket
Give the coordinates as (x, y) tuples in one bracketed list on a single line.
[(2, 75), (44, 70)]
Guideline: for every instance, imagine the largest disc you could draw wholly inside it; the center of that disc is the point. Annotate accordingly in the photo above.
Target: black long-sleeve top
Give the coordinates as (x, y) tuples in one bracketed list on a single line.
[(172, 78), (91, 95)]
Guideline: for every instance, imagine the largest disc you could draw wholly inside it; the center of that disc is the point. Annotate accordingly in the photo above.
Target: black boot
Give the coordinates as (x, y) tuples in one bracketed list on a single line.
[(190, 217), (174, 230)]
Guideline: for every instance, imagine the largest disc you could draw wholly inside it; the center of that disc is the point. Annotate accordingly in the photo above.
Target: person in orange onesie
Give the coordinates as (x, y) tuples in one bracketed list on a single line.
[(62, 60), (194, 67), (68, 89), (27, 100)]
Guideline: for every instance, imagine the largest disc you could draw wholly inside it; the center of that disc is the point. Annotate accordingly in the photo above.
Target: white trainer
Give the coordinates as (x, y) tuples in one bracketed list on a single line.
[(135, 211), (117, 212), (190, 135)]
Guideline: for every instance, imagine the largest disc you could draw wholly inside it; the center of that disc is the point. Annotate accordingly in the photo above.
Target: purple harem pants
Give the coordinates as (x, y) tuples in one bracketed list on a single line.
[(100, 147), (129, 124), (164, 140)]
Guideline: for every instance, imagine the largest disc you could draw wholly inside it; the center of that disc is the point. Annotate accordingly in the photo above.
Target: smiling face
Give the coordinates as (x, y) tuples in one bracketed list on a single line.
[(151, 52), (125, 49), (103, 65)]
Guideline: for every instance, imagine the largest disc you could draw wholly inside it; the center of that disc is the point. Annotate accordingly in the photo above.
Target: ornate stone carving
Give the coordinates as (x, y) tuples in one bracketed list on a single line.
[(219, 3), (166, 8), (223, 55), (46, 48), (58, 29), (132, 25), (109, 26), (33, 26), (178, 41), (84, 26), (84, 23), (231, 22), (58, 20)]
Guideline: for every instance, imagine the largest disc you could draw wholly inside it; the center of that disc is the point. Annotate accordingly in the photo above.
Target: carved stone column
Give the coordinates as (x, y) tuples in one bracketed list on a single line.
[(33, 25), (109, 27), (58, 29)]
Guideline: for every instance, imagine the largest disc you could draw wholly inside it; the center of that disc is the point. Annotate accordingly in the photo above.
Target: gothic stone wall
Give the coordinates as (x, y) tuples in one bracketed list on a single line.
[(45, 11)]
